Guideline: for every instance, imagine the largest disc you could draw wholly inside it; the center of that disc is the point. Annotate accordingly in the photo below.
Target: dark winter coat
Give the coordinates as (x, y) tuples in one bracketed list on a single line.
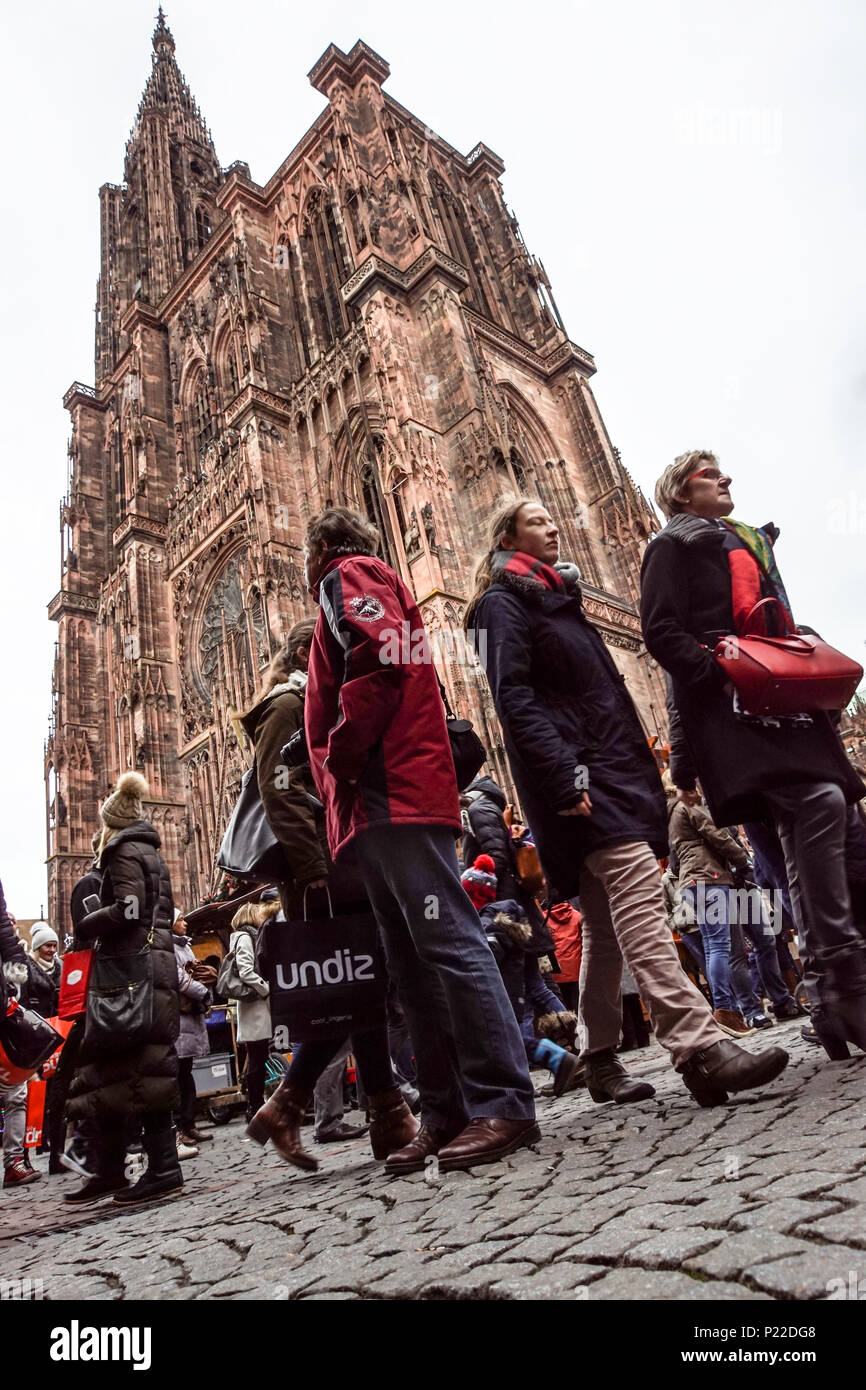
[(133, 1080), (43, 987), (488, 834), (507, 928), (685, 608), (568, 722), (87, 886), (374, 717)]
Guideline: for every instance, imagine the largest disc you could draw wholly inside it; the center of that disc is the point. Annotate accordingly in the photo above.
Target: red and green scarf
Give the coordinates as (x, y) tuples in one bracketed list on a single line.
[(754, 576)]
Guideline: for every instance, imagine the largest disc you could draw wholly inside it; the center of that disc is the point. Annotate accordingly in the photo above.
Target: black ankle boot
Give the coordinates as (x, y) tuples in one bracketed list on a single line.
[(162, 1176), (840, 1023), (722, 1067), (109, 1160), (607, 1079)]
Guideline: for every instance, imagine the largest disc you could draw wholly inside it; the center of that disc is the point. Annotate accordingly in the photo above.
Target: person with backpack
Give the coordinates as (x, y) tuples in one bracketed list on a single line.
[(381, 760), (296, 818)]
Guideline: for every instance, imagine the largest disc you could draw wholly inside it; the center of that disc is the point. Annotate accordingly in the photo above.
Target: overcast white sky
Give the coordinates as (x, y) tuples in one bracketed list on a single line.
[(691, 174)]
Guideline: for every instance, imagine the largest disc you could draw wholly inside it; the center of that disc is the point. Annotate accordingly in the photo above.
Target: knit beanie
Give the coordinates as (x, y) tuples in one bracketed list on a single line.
[(124, 807), (41, 934), (480, 881)]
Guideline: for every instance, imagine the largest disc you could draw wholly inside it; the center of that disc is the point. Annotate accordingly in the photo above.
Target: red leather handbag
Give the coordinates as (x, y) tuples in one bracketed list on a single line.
[(791, 674)]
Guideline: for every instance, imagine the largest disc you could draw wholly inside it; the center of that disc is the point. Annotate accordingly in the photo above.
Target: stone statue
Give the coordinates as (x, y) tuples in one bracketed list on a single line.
[(412, 537), (429, 527)]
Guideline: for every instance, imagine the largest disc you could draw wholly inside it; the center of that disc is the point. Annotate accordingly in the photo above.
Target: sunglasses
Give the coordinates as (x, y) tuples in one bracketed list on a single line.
[(714, 474)]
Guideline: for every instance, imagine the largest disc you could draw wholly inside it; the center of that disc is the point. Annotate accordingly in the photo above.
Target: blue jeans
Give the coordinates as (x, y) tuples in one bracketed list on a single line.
[(711, 905), (468, 1049)]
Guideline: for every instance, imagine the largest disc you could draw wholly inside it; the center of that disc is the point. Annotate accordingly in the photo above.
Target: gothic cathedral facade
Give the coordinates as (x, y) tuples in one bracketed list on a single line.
[(368, 329)]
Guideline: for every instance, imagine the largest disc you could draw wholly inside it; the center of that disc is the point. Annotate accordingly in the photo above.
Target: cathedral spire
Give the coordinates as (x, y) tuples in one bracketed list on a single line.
[(168, 200), (167, 92), (163, 39)]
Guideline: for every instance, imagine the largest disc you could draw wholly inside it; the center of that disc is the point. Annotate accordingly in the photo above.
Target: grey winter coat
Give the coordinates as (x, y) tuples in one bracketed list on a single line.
[(254, 1015), (192, 1039)]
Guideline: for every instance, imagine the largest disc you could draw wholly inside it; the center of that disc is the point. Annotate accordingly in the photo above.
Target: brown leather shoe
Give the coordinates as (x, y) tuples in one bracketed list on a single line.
[(392, 1124), (731, 1023), (486, 1140), (412, 1157), (280, 1120)]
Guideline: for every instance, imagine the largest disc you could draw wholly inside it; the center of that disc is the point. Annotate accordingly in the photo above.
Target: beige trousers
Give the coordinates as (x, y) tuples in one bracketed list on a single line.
[(624, 915)]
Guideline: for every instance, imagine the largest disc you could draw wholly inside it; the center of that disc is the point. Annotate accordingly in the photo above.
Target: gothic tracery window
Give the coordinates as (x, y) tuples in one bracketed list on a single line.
[(228, 644), (200, 419)]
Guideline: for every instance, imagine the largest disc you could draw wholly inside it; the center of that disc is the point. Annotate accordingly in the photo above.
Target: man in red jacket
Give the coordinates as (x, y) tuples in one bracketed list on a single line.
[(381, 760)]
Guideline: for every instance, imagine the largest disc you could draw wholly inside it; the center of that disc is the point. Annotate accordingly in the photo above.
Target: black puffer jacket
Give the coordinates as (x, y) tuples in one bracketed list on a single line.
[(564, 710), (135, 893), (488, 834)]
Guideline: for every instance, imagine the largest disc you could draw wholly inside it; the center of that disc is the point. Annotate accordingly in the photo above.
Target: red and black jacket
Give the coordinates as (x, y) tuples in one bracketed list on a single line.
[(374, 718)]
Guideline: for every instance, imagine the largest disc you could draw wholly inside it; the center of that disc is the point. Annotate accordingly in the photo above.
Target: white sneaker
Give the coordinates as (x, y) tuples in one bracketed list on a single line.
[(185, 1150)]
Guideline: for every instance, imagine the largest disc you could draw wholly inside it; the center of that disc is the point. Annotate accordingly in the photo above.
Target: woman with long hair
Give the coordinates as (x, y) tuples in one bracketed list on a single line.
[(297, 819), (590, 789)]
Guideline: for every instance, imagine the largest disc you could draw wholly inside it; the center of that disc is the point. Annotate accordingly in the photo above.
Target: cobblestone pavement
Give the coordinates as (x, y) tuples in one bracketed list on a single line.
[(762, 1199)]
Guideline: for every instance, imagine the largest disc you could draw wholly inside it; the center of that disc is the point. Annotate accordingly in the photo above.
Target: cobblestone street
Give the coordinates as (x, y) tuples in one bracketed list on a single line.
[(763, 1199)]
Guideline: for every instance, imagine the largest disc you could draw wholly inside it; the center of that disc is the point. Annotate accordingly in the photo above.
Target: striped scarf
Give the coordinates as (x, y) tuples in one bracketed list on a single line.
[(525, 566)]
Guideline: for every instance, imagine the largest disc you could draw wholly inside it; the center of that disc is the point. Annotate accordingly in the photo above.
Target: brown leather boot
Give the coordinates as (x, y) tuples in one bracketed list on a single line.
[(392, 1124), (279, 1120), (731, 1022)]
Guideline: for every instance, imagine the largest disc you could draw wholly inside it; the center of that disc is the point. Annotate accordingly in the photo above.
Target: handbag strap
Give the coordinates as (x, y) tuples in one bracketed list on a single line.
[(786, 624)]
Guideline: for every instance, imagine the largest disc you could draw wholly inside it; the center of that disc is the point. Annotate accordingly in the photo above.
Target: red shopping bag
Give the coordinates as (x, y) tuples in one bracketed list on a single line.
[(37, 1087), (73, 984), (35, 1112)]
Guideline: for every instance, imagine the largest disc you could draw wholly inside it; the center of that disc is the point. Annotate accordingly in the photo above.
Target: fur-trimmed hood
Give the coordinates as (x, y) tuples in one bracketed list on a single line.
[(508, 921), (535, 592)]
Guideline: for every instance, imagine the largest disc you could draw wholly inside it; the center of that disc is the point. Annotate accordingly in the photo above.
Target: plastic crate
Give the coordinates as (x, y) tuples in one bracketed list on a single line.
[(213, 1073)]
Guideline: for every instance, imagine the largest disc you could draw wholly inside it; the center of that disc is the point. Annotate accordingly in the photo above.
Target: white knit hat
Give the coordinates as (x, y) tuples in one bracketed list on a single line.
[(41, 934)]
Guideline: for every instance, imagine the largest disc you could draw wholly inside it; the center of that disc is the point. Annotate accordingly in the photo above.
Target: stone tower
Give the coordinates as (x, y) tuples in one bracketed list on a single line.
[(367, 328)]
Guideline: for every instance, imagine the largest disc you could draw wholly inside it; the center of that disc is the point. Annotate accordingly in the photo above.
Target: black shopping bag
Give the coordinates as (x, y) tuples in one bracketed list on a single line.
[(326, 974)]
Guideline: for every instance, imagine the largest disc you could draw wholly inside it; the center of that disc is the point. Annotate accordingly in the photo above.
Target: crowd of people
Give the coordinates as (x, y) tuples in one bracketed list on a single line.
[(633, 922)]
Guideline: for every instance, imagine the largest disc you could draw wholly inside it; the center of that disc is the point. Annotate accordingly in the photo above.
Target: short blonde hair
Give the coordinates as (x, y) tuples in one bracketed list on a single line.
[(675, 477)]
